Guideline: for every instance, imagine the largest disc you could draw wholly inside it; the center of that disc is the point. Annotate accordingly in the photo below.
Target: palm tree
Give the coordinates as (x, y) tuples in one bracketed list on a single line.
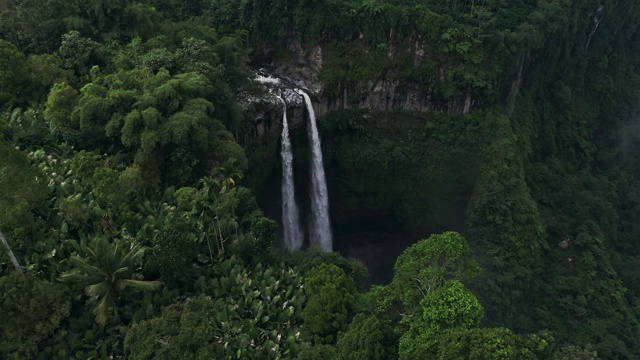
[(105, 269), (208, 211), (228, 173)]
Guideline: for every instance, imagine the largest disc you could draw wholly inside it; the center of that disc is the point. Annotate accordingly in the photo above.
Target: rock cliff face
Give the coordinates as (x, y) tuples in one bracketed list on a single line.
[(388, 94), (301, 71), (384, 94), (264, 113)]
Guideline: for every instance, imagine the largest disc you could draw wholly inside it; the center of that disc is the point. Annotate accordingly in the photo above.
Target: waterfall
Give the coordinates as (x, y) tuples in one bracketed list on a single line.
[(290, 218), (267, 80), (320, 226), (320, 229)]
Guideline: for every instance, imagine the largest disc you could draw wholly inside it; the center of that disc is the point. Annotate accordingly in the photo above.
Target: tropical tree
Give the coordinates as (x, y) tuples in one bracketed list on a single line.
[(59, 106), (31, 312), (13, 74), (79, 53), (305, 261), (35, 26), (23, 190), (318, 352), (428, 265), (576, 352), (166, 120), (174, 250), (491, 343), (331, 303), (207, 208), (229, 173), (105, 269), (451, 307), (366, 338), (46, 70), (240, 313)]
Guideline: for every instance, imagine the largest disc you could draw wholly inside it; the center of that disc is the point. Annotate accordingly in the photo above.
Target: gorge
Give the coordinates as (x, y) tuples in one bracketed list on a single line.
[(344, 179)]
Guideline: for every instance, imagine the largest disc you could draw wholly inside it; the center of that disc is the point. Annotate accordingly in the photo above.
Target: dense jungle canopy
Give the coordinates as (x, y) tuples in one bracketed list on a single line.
[(481, 159)]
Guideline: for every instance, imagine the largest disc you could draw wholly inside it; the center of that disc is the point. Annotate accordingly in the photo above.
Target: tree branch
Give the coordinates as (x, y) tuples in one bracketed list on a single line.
[(13, 258)]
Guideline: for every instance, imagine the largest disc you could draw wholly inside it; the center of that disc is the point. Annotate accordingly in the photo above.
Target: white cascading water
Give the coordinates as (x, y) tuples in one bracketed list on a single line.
[(267, 80), (290, 218), (321, 228)]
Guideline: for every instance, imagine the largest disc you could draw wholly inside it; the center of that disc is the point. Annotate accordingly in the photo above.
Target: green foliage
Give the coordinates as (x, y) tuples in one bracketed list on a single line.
[(104, 270), (258, 246), (114, 20), (79, 54), (261, 159), (32, 312), (365, 42), (574, 111), (450, 307), (25, 190), (13, 74), (583, 264), (46, 70), (265, 230), (164, 120), (215, 210), (27, 129), (505, 223), (429, 265), (422, 269), (229, 16), (366, 338), (547, 194), (60, 104), (331, 302), (178, 9), (576, 353), (380, 155), (345, 69), (24, 187), (307, 260), (318, 352), (489, 343), (433, 301), (35, 26), (173, 251), (245, 314)]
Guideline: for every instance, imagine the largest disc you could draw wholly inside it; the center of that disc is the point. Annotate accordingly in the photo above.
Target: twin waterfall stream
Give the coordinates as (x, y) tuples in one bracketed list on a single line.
[(320, 228), (290, 217)]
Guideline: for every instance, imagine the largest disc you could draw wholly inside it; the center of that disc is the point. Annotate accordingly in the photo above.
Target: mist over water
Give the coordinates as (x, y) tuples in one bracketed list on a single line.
[(320, 227)]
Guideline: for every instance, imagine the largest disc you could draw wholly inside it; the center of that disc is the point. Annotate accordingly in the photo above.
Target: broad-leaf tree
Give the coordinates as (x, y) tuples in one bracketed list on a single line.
[(23, 189), (331, 303), (366, 338), (450, 307), (166, 121), (428, 265), (240, 313), (13, 74), (32, 312), (490, 343)]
